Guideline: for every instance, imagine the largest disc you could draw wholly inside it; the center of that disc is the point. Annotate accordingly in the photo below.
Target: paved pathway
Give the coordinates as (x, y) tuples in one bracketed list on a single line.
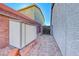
[(46, 47), (5, 51)]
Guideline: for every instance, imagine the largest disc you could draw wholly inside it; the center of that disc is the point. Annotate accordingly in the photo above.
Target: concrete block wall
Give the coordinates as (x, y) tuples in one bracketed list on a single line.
[(3, 31), (59, 26), (65, 20)]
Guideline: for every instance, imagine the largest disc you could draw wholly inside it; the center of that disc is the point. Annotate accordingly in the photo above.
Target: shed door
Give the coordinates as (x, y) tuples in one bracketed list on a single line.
[(21, 34), (14, 34), (31, 33)]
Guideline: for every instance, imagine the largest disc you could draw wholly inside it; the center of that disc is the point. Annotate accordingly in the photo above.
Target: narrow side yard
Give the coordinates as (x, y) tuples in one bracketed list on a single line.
[(46, 46)]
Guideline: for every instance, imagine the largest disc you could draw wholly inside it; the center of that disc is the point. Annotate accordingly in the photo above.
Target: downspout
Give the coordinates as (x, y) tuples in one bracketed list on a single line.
[(51, 25)]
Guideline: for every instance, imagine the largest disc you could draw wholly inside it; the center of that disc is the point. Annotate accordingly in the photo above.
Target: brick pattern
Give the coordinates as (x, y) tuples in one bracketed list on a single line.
[(46, 46), (25, 51), (12, 51), (5, 51), (4, 31)]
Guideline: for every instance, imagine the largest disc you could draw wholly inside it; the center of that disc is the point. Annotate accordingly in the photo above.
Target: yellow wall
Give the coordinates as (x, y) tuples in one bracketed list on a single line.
[(34, 13), (29, 12), (40, 16)]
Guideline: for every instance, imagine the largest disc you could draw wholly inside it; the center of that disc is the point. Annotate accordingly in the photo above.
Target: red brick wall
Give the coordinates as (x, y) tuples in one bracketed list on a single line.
[(4, 24)]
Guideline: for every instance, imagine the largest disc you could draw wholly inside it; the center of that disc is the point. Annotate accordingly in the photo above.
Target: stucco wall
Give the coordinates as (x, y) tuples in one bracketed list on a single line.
[(66, 27)]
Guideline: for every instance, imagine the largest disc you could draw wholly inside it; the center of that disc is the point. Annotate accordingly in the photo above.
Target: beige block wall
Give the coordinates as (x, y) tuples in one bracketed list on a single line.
[(66, 27)]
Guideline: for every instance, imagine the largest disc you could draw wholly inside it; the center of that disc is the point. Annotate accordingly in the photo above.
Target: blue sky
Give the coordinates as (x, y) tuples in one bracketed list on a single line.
[(45, 7)]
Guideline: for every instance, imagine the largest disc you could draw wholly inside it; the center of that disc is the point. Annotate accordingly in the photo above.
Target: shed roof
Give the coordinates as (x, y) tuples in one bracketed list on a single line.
[(5, 10)]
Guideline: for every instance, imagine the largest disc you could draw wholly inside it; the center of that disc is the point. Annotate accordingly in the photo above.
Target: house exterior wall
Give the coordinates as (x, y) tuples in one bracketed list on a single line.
[(4, 32), (65, 22)]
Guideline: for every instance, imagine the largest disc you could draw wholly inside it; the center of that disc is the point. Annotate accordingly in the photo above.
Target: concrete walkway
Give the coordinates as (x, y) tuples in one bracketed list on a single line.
[(46, 47)]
